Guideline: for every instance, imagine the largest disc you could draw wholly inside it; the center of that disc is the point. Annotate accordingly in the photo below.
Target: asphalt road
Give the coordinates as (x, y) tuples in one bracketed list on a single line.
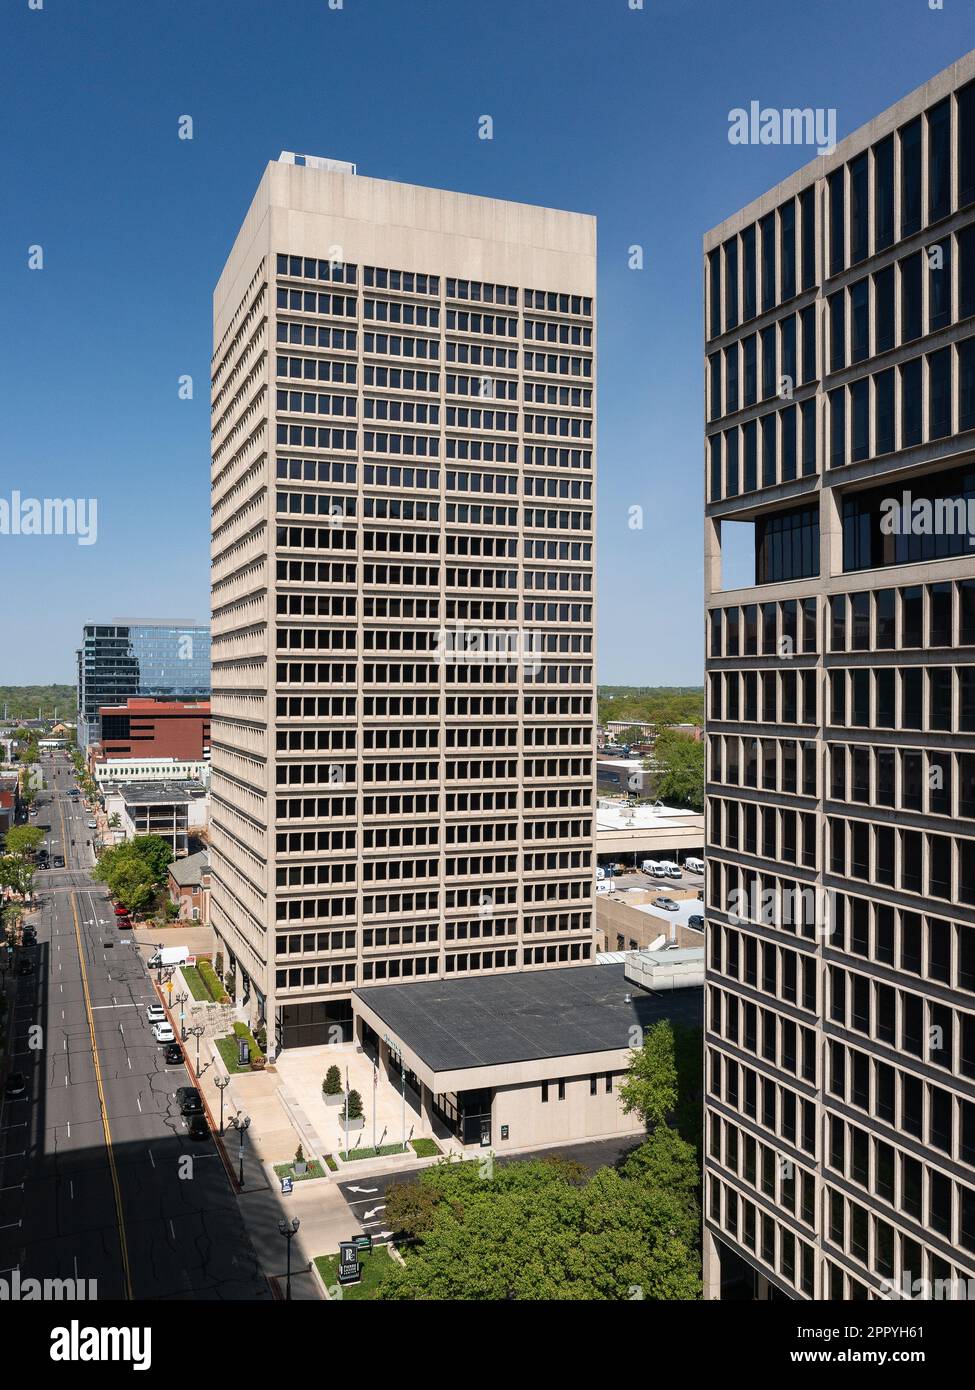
[(98, 1179), (365, 1196)]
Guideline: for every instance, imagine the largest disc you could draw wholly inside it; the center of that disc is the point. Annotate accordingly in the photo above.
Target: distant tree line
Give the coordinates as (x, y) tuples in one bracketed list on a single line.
[(23, 701), (664, 704)]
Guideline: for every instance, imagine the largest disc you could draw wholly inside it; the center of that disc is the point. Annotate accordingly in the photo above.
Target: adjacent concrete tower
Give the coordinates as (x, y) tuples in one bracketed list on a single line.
[(840, 326), (402, 591)]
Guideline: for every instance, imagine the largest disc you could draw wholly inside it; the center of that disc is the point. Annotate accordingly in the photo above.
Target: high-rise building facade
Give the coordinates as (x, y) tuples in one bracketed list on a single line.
[(119, 659), (402, 591), (840, 1035)]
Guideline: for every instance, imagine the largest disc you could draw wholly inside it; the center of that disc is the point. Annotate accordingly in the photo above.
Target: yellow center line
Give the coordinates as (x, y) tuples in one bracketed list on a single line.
[(123, 1243)]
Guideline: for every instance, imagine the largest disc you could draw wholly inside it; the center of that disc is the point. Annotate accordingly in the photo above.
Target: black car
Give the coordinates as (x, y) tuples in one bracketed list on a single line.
[(173, 1052), (197, 1127), (59, 861), (696, 920), (16, 1085), (189, 1101)]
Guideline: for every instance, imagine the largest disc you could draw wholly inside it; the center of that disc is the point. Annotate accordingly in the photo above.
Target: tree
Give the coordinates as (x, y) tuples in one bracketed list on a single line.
[(650, 1087), (24, 839), (17, 874), (526, 1231), (680, 769), (115, 821), (133, 885), (155, 852), (354, 1106), (668, 1160), (411, 1208), (332, 1085)]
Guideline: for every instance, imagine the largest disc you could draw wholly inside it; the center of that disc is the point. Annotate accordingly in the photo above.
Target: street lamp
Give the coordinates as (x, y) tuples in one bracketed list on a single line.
[(221, 1083), (181, 999), (197, 1033), (241, 1123), (289, 1233)]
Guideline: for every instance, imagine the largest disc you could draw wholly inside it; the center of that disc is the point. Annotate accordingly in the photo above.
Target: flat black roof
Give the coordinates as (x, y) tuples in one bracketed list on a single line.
[(488, 1020)]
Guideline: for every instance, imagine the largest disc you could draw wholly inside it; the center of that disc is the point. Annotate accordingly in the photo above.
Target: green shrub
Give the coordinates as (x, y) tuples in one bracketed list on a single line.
[(212, 981), (242, 1031), (332, 1085), (354, 1104)]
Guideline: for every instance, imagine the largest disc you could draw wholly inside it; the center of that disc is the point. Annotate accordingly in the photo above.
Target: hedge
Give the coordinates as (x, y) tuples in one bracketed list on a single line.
[(242, 1031), (212, 981)]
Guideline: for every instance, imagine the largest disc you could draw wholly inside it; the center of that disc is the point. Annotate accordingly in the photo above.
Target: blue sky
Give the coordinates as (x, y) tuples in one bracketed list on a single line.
[(596, 107)]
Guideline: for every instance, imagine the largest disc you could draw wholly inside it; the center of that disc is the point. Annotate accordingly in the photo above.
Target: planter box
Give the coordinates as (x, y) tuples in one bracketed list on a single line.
[(333, 1100), (300, 1169), (353, 1124)]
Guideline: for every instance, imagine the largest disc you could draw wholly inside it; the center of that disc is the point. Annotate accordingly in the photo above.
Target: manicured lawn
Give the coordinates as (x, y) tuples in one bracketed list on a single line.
[(425, 1148), (287, 1170), (195, 984), (386, 1149), (374, 1265), (227, 1047)]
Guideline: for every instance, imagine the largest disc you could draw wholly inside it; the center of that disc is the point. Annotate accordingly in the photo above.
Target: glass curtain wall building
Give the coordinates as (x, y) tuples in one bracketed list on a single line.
[(163, 660), (840, 408)]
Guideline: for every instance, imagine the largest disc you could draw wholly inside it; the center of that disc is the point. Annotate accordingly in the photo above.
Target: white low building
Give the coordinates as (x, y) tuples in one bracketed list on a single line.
[(128, 769)]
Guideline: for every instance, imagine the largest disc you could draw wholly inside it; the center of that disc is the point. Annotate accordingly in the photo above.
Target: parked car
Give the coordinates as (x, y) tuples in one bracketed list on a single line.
[(189, 1100), (93, 825), (197, 1127), (15, 1086), (121, 911), (173, 1053), (696, 920), (666, 904), (163, 1033), (155, 1013), (694, 866)]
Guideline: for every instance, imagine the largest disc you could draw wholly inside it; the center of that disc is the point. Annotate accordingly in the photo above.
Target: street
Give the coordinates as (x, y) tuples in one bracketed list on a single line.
[(98, 1179)]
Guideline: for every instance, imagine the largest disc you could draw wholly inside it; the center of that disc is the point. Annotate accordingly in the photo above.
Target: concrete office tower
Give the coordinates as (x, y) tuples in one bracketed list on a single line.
[(402, 592), (840, 1067)]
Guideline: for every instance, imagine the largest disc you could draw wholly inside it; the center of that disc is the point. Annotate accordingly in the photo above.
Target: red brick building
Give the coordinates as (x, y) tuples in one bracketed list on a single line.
[(144, 728)]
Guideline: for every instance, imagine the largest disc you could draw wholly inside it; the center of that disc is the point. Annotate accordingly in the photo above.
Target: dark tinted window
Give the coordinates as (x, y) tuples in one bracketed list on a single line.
[(939, 284), (749, 304), (787, 226), (911, 177), (910, 297), (767, 230), (883, 194), (859, 209), (966, 145), (883, 295), (837, 253), (939, 160)]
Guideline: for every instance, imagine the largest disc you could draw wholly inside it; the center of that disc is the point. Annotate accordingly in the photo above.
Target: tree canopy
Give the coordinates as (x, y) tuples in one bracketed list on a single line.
[(650, 1086), (133, 871), (535, 1230), (680, 769)]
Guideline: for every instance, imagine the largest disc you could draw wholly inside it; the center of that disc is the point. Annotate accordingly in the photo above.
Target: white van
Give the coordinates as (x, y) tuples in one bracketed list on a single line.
[(694, 866), (670, 868), (654, 868), (600, 873), (604, 888)]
